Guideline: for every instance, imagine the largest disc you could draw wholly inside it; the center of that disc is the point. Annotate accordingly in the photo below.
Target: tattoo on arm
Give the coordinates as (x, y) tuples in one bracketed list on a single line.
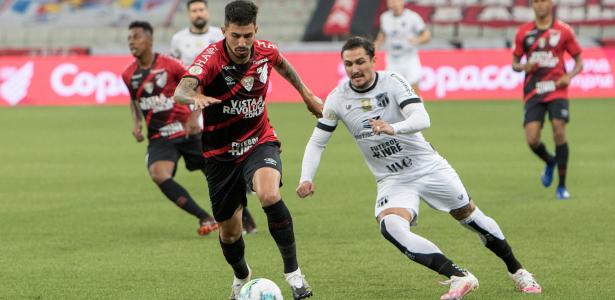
[(186, 90), (287, 71)]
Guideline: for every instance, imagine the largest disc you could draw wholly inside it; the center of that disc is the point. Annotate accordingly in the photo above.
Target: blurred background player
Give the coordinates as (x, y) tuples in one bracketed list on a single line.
[(230, 80), (401, 32), (172, 130), (544, 43), (386, 119), (188, 43)]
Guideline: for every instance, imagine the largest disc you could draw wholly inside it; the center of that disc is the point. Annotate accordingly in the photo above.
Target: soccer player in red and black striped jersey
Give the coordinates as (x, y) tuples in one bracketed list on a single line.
[(544, 43), (172, 130), (229, 80)]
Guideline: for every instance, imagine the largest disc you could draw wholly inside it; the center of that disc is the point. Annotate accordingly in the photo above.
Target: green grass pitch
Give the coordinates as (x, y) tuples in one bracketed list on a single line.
[(80, 218)]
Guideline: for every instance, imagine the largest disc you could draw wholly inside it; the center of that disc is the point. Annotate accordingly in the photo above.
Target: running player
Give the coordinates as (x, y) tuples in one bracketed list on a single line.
[(544, 43), (386, 117), (172, 130), (188, 43), (229, 80), (401, 32)]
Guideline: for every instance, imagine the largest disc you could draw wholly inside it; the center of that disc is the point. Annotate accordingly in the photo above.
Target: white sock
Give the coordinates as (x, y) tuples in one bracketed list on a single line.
[(483, 225), (398, 229)]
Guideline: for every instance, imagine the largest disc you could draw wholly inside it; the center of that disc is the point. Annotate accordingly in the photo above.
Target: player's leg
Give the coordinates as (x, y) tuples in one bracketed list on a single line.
[(263, 169), (396, 209), (444, 191), (190, 150), (533, 120), (162, 162), (228, 196), (559, 116), (249, 225)]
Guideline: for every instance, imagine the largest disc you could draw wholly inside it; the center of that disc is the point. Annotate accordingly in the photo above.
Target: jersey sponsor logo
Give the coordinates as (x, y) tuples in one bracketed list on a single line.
[(544, 59), (171, 129), (263, 73), (249, 108), (366, 104), (238, 149), (195, 70), (364, 135), (247, 83), (386, 149), (382, 99), (226, 68), (543, 87), (156, 103), (382, 201), (554, 37), (398, 166)]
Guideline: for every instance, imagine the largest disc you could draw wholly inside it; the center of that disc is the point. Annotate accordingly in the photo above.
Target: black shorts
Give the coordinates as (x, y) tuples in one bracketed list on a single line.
[(536, 110), (170, 150), (229, 182)]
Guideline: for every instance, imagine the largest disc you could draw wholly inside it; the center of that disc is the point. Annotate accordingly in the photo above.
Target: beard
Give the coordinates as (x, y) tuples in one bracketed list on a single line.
[(199, 23)]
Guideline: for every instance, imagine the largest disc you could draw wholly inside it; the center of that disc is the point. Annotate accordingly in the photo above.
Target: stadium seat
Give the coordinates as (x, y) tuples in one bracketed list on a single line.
[(590, 31), (483, 43)]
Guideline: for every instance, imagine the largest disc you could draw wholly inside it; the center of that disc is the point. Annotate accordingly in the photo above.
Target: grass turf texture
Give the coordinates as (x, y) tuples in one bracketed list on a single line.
[(80, 219)]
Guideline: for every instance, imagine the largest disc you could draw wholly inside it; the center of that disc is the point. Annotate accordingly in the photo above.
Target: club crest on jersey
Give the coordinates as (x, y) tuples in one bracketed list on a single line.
[(148, 87), (366, 104), (382, 99), (248, 83), (161, 79), (195, 70), (542, 43), (554, 38)]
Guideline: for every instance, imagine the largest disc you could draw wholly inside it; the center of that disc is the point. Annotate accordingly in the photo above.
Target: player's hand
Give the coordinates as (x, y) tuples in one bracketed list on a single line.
[(529, 67), (202, 101), (380, 126), (305, 189), (414, 41), (564, 81), (136, 132), (314, 105), (192, 127)]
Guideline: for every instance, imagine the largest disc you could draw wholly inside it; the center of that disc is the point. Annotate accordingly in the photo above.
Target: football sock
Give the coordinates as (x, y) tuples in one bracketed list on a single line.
[(281, 228), (541, 151), (247, 219), (561, 155), (178, 195), (234, 254), (492, 237), (397, 231)]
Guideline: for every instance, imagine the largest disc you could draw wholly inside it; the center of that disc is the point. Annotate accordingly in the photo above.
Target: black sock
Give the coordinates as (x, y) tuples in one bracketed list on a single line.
[(234, 254), (178, 195), (281, 229), (503, 251), (541, 151), (561, 155)]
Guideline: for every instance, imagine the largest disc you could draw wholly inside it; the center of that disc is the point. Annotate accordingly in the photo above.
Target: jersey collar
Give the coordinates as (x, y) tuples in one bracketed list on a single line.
[(371, 87)]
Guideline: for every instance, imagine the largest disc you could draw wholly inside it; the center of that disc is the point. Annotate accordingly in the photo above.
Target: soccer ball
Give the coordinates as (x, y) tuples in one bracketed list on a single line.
[(260, 289)]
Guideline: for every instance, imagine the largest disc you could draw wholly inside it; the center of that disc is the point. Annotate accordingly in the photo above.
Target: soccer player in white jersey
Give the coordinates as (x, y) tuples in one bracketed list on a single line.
[(401, 32), (186, 44), (386, 117)]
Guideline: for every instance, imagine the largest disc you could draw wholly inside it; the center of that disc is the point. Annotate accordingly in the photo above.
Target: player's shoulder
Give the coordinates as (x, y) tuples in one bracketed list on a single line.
[(391, 76), (181, 34), (386, 16), (525, 27), (215, 30), (560, 25), (129, 69), (411, 14), (265, 46), (168, 60)]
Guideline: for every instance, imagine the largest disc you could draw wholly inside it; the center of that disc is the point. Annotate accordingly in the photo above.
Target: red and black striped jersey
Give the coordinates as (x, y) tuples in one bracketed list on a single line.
[(234, 127), (152, 90), (546, 48)]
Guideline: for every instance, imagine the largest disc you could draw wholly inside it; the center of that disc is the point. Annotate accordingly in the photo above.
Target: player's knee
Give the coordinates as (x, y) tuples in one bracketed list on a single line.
[(463, 212), (159, 177), (268, 197), (533, 142)]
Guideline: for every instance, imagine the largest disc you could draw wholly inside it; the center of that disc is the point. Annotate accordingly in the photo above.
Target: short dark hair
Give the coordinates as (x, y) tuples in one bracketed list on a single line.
[(240, 12), (360, 42), (147, 27), (195, 1)]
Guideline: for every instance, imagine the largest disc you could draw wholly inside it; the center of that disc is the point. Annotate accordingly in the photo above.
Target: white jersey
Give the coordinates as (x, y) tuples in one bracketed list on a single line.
[(406, 155), (186, 45), (399, 30)]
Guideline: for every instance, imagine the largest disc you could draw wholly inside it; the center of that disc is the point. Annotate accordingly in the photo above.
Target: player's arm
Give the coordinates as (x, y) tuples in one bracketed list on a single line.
[(379, 39), (564, 81), (137, 118), (287, 71), (416, 120), (517, 66), (424, 37), (187, 93), (311, 160)]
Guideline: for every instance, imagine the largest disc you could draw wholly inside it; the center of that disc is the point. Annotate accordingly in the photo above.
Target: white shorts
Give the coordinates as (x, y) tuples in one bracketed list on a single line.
[(441, 189), (408, 66)]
